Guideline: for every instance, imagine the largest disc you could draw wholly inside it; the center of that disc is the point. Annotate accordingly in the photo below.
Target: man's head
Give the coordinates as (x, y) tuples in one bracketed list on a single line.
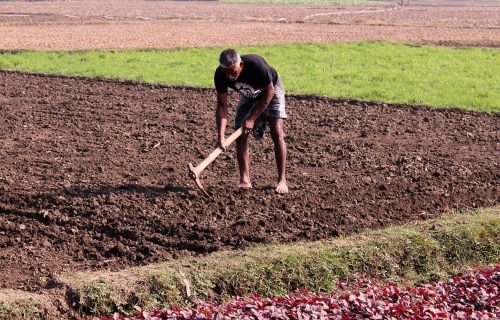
[(231, 64)]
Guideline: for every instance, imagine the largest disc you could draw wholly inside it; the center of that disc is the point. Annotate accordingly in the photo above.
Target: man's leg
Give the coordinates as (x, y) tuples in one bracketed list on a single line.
[(243, 161), (242, 153), (278, 136)]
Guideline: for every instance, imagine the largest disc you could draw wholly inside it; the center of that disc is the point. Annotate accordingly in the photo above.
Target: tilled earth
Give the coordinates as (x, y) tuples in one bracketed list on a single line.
[(93, 173), (125, 24)]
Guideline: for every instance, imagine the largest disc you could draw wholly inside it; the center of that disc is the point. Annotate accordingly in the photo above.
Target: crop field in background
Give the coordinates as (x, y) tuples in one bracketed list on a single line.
[(327, 2), (103, 104), (95, 24)]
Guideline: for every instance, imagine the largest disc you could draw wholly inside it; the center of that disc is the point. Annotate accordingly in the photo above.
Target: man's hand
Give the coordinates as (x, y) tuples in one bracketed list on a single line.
[(248, 125), (220, 143), (264, 100)]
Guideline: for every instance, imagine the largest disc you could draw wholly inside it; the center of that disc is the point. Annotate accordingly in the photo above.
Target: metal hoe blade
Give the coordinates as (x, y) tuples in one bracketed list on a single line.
[(193, 175)]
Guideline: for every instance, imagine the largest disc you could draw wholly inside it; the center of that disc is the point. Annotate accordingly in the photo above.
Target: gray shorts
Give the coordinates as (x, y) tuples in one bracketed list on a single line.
[(276, 108)]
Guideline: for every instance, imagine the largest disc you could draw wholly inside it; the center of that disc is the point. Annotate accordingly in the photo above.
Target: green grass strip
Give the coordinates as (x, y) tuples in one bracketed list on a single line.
[(420, 251), (24, 309), (374, 71)]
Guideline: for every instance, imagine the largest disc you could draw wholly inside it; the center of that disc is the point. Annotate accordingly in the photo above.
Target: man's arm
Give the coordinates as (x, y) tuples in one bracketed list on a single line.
[(221, 118), (264, 100)]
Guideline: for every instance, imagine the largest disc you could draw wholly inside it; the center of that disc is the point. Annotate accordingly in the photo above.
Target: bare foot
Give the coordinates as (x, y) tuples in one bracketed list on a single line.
[(244, 186), (282, 188)]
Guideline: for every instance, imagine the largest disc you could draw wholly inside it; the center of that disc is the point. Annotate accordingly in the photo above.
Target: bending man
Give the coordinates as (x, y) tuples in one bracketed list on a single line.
[(262, 101)]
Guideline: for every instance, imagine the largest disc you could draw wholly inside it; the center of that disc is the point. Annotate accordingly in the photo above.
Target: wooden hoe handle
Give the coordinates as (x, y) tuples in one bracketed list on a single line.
[(211, 157), (194, 172)]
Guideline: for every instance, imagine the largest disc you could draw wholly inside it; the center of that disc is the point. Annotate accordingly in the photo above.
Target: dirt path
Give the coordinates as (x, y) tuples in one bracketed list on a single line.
[(79, 25), (93, 173)]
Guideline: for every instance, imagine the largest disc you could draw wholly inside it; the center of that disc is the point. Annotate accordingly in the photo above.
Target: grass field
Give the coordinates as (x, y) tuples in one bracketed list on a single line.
[(396, 73)]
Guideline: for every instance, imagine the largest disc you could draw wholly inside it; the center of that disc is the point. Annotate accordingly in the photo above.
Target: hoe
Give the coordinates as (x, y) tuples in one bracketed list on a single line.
[(194, 172)]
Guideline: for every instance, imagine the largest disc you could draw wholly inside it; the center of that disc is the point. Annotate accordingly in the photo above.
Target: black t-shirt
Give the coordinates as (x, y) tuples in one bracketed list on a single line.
[(256, 74)]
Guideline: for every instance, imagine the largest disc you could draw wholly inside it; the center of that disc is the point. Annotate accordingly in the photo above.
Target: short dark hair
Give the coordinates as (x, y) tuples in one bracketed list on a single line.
[(229, 58)]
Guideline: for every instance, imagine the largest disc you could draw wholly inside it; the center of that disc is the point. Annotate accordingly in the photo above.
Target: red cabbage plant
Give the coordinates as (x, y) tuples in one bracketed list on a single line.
[(468, 296)]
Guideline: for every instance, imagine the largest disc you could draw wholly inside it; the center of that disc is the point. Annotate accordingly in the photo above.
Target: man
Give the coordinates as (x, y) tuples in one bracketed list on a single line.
[(262, 99)]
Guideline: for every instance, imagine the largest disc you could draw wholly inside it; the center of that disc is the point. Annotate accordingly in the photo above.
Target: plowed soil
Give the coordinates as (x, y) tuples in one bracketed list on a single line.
[(93, 174), (124, 24)]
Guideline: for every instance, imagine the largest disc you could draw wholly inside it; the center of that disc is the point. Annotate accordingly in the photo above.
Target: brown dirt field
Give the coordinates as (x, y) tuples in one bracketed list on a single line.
[(79, 25), (93, 174)]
